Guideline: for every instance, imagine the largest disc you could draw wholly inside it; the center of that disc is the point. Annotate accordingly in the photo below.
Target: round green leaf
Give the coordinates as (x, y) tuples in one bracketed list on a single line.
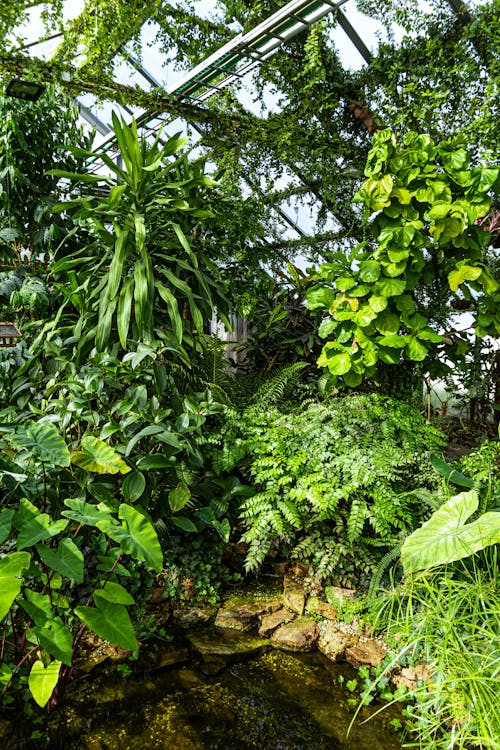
[(339, 364), (133, 486)]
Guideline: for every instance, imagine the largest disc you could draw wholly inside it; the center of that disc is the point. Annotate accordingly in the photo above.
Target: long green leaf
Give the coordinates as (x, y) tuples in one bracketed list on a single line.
[(185, 244), (173, 310), (124, 311), (119, 258)]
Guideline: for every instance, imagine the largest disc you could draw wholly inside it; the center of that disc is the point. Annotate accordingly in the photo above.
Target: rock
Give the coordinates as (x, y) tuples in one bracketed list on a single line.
[(168, 656), (366, 654), (192, 617), (293, 595), (299, 635), (317, 606), (238, 614), (269, 623), (412, 677), (219, 649), (299, 570), (334, 642), (340, 594)]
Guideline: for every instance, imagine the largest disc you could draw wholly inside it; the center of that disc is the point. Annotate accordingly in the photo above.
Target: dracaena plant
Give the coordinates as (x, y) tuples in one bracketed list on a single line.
[(143, 276), (389, 301), (61, 574)]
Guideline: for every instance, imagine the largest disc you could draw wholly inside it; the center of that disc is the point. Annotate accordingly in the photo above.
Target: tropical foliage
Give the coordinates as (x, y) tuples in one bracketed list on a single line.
[(422, 203), (336, 484)]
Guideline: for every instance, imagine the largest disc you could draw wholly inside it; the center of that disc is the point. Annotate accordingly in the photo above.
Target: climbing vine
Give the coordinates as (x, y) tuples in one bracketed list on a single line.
[(422, 202)]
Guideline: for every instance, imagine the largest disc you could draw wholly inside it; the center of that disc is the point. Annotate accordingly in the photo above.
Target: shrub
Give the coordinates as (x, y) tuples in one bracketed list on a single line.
[(336, 484)]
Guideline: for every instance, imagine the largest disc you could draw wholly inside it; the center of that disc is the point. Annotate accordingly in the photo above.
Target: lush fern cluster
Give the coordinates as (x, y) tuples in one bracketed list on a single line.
[(335, 483)]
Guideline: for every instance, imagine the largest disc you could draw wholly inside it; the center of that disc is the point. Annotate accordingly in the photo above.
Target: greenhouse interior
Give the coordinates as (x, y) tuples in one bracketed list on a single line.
[(249, 374)]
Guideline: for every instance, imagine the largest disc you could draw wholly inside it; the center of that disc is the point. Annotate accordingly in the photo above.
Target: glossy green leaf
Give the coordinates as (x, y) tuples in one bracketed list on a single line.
[(44, 441), (56, 639), (369, 270), (339, 364), (390, 287), (97, 456), (34, 526), (451, 474), (446, 536), (113, 592), (464, 273), (67, 559), (87, 514), (416, 350), (179, 497), (133, 486), (185, 524), (111, 622), (11, 569), (38, 606), (6, 517), (42, 681), (137, 537)]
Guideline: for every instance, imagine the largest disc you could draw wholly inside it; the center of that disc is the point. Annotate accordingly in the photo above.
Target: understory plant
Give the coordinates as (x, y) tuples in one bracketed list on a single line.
[(425, 254), (336, 484), (448, 618), (67, 564), (445, 614)]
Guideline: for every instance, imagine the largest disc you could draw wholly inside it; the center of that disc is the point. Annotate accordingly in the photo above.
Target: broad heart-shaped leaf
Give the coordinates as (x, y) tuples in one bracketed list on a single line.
[(86, 513), (44, 441), (137, 537), (38, 606), (96, 455), (42, 681), (109, 621), (34, 526), (56, 639), (66, 559), (11, 568), (446, 536)]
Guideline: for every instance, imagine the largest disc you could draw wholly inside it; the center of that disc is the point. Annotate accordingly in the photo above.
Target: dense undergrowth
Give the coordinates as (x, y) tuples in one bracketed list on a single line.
[(130, 451)]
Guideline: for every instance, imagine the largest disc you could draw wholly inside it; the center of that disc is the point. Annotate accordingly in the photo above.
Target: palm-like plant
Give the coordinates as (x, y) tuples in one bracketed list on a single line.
[(140, 278)]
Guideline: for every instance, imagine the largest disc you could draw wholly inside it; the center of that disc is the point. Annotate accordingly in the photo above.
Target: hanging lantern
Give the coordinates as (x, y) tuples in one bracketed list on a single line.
[(8, 335)]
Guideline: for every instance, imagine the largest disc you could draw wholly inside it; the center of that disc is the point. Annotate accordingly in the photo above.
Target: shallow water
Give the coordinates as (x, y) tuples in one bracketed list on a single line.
[(275, 701)]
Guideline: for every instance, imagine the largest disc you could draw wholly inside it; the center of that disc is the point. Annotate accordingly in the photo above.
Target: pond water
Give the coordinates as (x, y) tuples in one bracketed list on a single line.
[(273, 701)]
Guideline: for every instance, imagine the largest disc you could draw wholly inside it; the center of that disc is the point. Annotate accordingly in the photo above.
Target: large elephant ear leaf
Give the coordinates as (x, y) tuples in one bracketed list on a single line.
[(96, 455), (446, 536), (44, 441)]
